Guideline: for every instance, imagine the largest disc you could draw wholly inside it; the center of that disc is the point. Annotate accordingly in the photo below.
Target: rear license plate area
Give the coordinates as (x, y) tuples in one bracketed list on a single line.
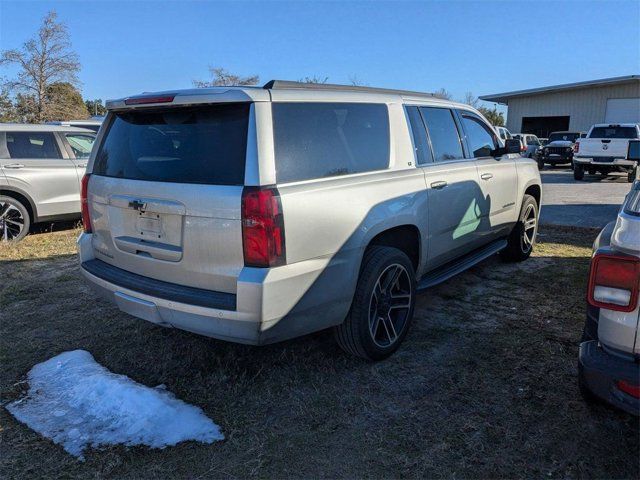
[(149, 224)]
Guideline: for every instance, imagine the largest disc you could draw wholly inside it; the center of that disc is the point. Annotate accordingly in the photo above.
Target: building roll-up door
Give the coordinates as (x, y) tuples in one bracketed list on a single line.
[(623, 110)]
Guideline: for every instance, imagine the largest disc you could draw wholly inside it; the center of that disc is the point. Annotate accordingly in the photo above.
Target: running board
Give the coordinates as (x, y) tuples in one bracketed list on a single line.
[(455, 267)]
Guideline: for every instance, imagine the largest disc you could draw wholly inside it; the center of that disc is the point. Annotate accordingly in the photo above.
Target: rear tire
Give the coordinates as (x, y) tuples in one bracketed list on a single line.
[(578, 172), (14, 220), (523, 236), (631, 174), (382, 307)]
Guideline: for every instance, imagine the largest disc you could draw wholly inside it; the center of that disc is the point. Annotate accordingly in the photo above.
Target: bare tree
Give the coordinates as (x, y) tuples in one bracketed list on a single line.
[(314, 79), (356, 82), (223, 78), (442, 93), (471, 99), (45, 59)]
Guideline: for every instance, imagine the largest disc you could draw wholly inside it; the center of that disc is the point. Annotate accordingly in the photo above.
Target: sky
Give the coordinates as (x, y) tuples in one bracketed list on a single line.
[(481, 47)]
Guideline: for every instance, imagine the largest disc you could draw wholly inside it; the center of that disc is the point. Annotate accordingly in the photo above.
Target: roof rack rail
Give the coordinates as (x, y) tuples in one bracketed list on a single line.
[(288, 84)]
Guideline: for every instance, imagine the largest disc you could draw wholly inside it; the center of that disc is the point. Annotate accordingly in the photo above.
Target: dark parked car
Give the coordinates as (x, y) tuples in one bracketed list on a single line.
[(559, 149)]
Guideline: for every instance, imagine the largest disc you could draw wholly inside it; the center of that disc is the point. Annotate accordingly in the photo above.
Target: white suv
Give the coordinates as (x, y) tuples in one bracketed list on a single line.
[(40, 171), (260, 214)]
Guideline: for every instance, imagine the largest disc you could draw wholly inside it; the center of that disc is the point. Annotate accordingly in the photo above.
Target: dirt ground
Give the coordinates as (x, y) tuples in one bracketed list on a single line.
[(484, 386)]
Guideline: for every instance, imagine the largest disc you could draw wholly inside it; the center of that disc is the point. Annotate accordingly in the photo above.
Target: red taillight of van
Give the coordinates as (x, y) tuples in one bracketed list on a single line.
[(262, 227), (576, 147), (84, 204), (614, 281)]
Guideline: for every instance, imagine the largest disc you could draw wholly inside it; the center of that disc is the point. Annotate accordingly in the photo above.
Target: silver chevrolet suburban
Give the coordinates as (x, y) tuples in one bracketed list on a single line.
[(260, 214)]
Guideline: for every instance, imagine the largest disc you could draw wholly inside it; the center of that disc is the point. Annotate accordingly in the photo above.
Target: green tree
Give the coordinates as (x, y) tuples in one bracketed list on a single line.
[(96, 107), (221, 77), (8, 111), (64, 102), (494, 116), (44, 59), (26, 108)]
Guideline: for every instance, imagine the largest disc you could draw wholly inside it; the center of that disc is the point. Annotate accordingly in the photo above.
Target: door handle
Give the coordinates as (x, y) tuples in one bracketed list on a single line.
[(14, 165), (82, 165), (486, 176), (439, 184)]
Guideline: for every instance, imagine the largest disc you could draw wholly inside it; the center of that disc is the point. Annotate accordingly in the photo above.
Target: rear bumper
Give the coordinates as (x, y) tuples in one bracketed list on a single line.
[(618, 162), (269, 305), (601, 371)]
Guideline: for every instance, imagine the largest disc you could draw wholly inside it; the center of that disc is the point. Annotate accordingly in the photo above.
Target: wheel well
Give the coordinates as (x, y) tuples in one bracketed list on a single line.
[(23, 200), (534, 191), (405, 238)]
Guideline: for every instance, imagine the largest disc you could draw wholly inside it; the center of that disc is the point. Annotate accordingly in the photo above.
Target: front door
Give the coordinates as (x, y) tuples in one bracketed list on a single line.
[(498, 177)]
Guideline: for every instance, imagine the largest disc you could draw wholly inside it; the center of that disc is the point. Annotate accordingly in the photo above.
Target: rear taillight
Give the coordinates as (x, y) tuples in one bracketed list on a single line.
[(84, 204), (576, 147), (613, 282), (262, 227)]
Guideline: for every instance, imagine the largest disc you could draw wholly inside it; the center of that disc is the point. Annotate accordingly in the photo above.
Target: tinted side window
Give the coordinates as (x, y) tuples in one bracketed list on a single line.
[(80, 144), (443, 132), (420, 140), (479, 137), (32, 145), (315, 140)]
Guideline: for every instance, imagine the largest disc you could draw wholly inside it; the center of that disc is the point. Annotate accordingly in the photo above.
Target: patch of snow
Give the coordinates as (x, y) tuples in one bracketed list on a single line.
[(76, 402)]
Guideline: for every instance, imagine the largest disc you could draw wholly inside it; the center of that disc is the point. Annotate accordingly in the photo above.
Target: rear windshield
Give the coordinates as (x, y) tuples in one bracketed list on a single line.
[(315, 140), (183, 145), (563, 137), (613, 132)]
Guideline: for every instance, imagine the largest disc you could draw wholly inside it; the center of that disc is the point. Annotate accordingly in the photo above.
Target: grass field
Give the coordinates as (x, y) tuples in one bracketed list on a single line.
[(484, 386)]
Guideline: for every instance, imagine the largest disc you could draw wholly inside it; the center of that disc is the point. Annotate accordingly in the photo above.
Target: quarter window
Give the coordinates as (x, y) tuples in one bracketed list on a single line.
[(316, 140), (443, 133), (80, 144), (32, 145), (479, 137)]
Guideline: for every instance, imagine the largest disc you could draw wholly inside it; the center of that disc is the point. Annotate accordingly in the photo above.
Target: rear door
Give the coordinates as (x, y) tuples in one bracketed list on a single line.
[(498, 177), (456, 203), (165, 193), (38, 165)]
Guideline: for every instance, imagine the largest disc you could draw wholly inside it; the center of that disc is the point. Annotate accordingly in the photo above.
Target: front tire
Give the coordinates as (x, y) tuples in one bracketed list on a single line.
[(540, 163), (14, 220), (382, 307), (523, 236), (631, 174), (578, 172)]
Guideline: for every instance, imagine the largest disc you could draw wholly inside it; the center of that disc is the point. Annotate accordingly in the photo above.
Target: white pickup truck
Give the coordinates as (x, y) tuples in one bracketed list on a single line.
[(605, 150)]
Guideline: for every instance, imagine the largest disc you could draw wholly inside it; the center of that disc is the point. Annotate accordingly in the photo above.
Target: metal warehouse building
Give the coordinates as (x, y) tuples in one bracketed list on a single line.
[(573, 106)]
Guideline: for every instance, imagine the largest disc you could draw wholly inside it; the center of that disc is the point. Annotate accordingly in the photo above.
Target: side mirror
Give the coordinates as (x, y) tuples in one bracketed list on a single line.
[(512, 145)]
